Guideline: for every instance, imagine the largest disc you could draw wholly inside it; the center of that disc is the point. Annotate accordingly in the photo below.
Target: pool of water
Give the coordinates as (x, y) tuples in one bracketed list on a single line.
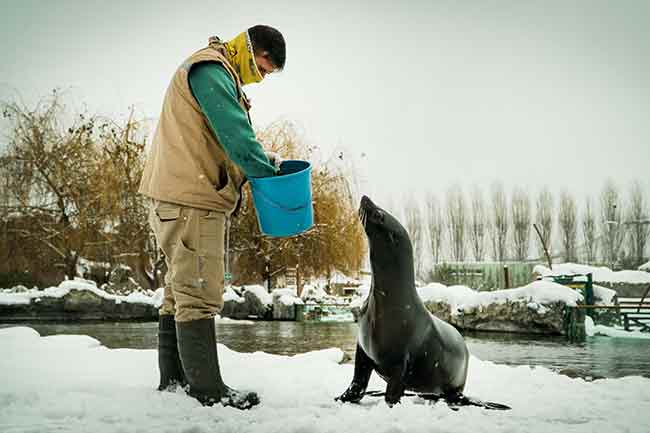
[(604, 356)]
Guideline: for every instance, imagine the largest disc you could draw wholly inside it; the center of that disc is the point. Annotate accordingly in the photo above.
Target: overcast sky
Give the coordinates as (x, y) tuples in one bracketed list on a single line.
[(433, 93)]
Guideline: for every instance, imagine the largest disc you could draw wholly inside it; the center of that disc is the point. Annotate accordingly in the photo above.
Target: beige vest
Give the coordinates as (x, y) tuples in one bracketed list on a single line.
[(186, 163)]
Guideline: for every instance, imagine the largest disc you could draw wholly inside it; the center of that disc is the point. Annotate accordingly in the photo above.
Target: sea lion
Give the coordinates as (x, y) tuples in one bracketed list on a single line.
[(398, 338)]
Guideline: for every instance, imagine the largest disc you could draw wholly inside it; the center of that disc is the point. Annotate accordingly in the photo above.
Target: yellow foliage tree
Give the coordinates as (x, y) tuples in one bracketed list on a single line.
[(336, 241)]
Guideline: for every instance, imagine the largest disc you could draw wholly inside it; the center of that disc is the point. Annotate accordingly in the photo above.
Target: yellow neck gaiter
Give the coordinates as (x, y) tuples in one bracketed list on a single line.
[(242, 58)]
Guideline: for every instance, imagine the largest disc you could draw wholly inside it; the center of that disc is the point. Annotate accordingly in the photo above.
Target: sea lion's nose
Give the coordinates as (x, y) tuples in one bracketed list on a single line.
[(366, 202)]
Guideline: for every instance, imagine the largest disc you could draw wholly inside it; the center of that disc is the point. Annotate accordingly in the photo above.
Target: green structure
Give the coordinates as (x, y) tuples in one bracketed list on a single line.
[(484, 276)]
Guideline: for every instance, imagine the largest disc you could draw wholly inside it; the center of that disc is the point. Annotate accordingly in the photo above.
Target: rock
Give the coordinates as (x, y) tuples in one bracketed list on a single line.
[(284, 304), (523, 317), (255, 306), (234, 306), (121, 281), (79, 301)]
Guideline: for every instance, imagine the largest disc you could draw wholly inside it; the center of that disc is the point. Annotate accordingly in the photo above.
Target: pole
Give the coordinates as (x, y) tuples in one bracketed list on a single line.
[(541, 239)]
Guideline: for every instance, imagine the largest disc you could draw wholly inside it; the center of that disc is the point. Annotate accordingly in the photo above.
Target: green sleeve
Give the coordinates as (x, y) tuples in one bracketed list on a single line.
[(216, 94)]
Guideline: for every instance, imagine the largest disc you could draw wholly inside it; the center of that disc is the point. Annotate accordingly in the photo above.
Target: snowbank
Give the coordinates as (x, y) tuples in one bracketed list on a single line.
[(286, 297), (600, 274), (25, 297), (92, 388), (461, 297), (260, 292), (592, 329)]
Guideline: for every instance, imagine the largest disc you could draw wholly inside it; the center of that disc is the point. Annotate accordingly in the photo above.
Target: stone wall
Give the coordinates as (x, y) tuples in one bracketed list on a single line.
[(522, 317)]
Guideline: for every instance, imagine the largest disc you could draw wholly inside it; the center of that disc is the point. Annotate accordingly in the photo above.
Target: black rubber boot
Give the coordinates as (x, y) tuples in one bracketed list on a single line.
[(197, 345), (169, 363)]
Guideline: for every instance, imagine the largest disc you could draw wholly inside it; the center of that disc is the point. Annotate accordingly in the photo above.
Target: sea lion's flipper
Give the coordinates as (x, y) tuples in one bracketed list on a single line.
[(395, 388), (462, 400), (363, 367)]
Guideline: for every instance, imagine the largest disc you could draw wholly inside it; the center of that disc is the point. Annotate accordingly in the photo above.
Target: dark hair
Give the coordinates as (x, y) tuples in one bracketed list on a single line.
[(266, 38)]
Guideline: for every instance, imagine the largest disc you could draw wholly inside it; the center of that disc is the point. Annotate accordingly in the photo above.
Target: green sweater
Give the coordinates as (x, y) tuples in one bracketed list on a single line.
[(215, 92)]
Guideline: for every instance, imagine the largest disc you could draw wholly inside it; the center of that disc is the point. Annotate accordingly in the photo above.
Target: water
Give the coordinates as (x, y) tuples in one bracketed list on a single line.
[(609, 357)]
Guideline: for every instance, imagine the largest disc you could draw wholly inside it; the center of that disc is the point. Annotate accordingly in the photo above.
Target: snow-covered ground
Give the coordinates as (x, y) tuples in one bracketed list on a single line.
[(600, 274), (73, 384), (607, 331)]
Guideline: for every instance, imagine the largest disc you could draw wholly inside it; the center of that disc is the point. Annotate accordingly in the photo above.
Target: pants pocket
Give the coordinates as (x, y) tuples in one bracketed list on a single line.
[(211, 233), (185, 266)]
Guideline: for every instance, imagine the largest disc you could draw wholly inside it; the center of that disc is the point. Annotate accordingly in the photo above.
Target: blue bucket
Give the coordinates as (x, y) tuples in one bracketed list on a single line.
[(283, 202)]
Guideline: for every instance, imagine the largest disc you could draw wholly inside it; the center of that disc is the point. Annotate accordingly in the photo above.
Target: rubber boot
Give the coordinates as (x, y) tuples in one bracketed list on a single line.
[(169, 363), (197, 345)]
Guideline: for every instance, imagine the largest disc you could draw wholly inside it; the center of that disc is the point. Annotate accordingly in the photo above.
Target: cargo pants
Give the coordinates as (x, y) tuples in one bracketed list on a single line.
[(192, 241)]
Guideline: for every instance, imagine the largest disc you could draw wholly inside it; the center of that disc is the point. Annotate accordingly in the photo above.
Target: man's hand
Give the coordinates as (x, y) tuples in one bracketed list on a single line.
[(275, 159)]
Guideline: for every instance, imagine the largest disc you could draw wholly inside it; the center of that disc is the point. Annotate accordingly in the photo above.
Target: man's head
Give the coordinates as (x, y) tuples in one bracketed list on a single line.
[(269, 48), (256, 53)]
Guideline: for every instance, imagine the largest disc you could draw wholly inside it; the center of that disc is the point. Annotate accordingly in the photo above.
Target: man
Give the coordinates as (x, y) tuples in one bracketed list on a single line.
[(202, 152)]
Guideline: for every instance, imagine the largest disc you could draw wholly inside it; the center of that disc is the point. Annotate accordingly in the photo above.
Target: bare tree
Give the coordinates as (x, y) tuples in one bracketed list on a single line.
[(456, 222), (638, 223), (520, 207), (436, 224), (414, 227), (611, 213), (544, 219), (55, 178), (589, 232), (478, 225), (568, 226), (499, 222)]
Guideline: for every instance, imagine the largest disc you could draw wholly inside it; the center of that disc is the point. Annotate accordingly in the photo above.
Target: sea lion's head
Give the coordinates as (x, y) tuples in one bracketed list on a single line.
[(389, 241)]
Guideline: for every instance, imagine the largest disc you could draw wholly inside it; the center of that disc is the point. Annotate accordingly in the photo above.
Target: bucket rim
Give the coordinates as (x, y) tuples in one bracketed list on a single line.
[(284, 176)]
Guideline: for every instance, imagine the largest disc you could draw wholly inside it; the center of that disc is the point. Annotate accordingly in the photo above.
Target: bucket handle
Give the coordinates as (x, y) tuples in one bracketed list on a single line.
[(277, 206)]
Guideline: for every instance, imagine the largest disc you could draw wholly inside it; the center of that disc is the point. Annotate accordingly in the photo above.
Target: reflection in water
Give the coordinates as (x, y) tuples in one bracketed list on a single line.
[(610, 357)]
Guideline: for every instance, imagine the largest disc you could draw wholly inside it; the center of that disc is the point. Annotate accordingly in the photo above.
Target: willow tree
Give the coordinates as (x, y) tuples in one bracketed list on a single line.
[(335, 242), (54, 179)]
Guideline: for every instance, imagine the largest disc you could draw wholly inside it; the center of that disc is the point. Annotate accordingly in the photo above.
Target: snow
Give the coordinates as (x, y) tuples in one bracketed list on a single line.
[(313, 292), (461, 297), (73, 384), (25, 297), (600, 274), (605, 295), (260, 292), (645, 267), (229, 321), (592, 329), (286, 296), (230, 295)]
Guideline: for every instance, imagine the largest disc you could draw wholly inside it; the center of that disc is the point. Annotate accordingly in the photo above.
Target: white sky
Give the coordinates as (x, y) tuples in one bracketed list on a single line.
[(432, 92)]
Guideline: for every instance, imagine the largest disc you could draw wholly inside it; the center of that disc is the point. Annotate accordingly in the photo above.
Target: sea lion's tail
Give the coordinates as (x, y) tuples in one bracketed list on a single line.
[(454, 402), (462, 400)]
